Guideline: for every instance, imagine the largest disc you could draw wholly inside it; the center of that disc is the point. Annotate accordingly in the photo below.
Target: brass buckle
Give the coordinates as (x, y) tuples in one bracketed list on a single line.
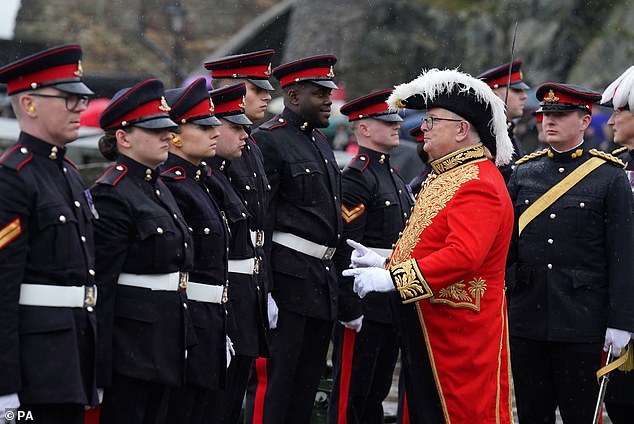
[(330, 252), (182, 281), (256, 267), (90, 297), (225, 296), (259, 238)]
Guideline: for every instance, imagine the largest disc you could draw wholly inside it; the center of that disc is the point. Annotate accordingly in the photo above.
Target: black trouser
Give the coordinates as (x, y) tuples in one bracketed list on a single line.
[(191, 405), (363, 365), (49, 414), (132, 401), (547, 375), (237, 379), (620, 413), (282, 388)]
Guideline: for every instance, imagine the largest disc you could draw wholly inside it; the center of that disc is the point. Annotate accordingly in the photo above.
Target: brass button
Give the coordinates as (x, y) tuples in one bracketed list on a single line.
[(159, 230), (62, 219), (327, 268), (553, 216), (551, 241), (206, 230), (387, 203), (158, 192), (561, 170), (526, 201), (119, 168), (24, 150), (582, 205), (550, 266), (77, 204), (83, 238), (307, 170), (248, 187), (91, 272)]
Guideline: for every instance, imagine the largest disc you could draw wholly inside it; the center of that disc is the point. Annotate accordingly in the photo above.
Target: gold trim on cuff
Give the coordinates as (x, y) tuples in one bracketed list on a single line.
[(409, 281)]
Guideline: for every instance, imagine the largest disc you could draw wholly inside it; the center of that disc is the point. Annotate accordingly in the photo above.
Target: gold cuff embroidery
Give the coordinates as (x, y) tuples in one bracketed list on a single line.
[(456, 296), (409, 282)]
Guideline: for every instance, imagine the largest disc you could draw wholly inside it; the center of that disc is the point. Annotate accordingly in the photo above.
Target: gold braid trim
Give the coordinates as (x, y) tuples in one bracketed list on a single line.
[(607, 157), (618, 151), (410, 282), (531, 156)]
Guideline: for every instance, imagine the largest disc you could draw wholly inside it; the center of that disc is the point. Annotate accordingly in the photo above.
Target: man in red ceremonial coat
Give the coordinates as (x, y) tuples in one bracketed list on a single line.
[(448, 266)]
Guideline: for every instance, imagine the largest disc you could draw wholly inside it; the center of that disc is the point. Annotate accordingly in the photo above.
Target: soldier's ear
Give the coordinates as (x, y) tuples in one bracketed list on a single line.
[(122, 139), (292, 96)]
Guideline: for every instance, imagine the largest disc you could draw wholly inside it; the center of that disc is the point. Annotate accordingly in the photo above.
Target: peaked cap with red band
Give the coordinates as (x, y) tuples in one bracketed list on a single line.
[(418, 134), (143, 105), (557, 97), (229, 103), (499, 76), (254, 66), (317, 69), (58, 67), (192, 104), (371, 106)]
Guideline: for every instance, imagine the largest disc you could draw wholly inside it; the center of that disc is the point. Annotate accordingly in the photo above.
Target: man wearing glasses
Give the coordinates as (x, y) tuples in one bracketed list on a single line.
[(47, 278), (448, 265)]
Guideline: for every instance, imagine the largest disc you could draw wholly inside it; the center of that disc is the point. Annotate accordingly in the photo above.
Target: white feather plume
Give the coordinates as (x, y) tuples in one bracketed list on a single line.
[(621, 91), (434, 82)]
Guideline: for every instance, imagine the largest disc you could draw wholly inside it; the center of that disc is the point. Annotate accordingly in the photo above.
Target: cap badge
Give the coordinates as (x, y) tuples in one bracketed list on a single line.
[(521, 75), (211, 106), (331, 73), (80, 70), (243, 104), (401, 103), (164, 106), (551, 98), (268, 71)]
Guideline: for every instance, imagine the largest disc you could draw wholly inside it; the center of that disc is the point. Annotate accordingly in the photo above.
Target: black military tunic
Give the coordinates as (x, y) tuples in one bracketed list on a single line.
[(580, 248), (518, 152), (248, 176), (206, 362), (142, 332), (46, 237), (376, 205), (305, 200)]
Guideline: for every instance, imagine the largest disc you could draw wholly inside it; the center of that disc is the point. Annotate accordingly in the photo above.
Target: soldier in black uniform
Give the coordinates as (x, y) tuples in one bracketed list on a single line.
[(619, 400), (47, 272), (247, 172), (514, 93), (573, 247), (206, 289), (302, 230), (247, 329), (417, 182), (376, 205), (144, 251)]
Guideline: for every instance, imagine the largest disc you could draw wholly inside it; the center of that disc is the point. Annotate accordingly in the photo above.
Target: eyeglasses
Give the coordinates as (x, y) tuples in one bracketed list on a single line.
[(72, 100), (429, 121)]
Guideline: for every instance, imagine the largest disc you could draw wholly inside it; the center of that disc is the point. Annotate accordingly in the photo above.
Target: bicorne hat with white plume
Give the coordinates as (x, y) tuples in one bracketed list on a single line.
[(620, 94), (464, 95)]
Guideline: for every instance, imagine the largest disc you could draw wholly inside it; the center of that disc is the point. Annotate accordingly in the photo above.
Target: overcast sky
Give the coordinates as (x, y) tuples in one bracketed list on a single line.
[(7, 18)]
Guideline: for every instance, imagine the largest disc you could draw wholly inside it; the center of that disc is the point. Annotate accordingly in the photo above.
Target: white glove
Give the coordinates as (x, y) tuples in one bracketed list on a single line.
[(367, 280), (362, 257), (355, 324), (273, 311), (100, 395), (616, 338), (230, 351), (8, 402)]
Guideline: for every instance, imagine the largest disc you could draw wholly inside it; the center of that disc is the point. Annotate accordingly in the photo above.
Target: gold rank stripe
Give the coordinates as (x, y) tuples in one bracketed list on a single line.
[(350, 215), (10, 232)]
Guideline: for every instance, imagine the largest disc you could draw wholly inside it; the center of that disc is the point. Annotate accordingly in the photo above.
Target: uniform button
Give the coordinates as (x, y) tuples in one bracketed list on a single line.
[(405, 214), (158, 192), (175, 216), (119, 168), (244, 215), (268, 186), (62, 219), (185, 244), (400, 191), (338, 236), (191, 230), (362, 157), (561, 170), (206, 230), (248, 187), (400, 233), (393, 245), (550, 266), (335, 197), (526, 201), (553, 216), (185, 353), (326, 160), (89, 308), (24, 150), (327, 268), (185, 305), (159, 230), (387, 203), (91, 272), (307, 170), (582, 205), (77, 204), (255, 175), (313, 137), (280, 120), (551, 241), (65, 171), (392, 171)]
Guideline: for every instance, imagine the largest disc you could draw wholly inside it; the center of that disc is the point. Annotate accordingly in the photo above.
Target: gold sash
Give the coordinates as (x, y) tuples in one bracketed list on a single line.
[(557, 191)]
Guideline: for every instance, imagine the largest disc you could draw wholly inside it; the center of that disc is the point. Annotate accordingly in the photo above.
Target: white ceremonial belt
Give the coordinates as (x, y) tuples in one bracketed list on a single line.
[(58, 296), (173, 281), (257, 237), (206, 292), (382, 252), (242, 266), (304, 246)]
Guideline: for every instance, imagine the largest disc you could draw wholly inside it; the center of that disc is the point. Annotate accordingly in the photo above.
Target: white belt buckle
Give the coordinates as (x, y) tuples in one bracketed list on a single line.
[(330, 252)]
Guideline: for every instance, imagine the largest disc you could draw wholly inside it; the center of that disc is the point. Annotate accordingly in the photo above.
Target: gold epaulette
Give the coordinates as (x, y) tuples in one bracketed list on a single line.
[(531, 156), (607, 157), (619, 151)]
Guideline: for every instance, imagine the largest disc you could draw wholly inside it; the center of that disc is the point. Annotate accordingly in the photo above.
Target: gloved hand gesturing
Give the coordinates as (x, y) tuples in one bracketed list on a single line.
[(362, 257), (367, 280)]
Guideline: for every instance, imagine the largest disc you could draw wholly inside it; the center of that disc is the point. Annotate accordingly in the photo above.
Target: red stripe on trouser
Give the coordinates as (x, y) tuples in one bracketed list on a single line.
[(91, 416), (405, 410), (346, 374), (260, 391)]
